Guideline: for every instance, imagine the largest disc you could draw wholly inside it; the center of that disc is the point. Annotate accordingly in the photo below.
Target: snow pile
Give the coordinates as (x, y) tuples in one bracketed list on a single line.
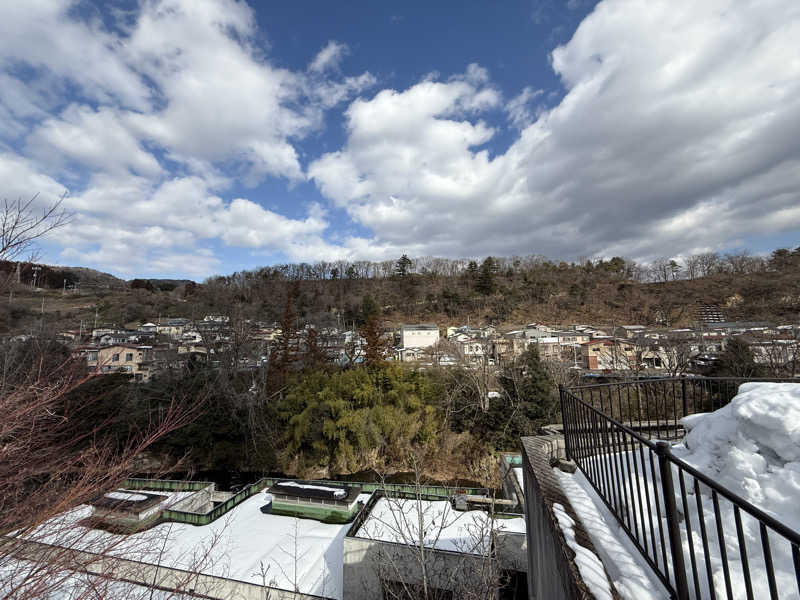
[(129, 496), (589, 565), (337, 492), (752, 447)]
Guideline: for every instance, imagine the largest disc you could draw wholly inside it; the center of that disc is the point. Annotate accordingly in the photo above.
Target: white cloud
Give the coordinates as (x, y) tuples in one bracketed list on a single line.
[(677, 130), (148, 116), (329, 57), (43, 35), (95, 139), (519, 110)]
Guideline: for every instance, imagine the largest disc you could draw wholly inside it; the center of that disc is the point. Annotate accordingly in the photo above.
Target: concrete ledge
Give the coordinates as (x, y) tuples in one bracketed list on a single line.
[(141, 573), (552, 572)]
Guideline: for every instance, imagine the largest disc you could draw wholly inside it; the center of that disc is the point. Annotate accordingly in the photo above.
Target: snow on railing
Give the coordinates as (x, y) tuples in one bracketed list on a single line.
[(702, 539)]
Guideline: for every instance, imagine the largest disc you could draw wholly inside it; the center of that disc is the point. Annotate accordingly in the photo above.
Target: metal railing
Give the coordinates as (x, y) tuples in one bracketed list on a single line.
[(179, 516), (688, 528)]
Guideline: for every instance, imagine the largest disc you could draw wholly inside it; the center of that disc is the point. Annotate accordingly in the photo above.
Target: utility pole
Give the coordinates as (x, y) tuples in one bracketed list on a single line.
[(95, 317)]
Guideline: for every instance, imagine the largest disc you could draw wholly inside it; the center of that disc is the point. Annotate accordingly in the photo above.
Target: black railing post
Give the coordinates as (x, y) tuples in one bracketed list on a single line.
[(673, 526), (683, 396), (564, 424)]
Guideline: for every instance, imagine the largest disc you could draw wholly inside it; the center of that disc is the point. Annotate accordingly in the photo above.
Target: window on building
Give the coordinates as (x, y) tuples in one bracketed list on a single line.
[(115, 358), (92, 356), (129, 357)]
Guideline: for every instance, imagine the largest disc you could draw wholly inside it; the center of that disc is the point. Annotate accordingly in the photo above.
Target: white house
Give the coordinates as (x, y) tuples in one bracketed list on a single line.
[(535, 331), (422, 335)]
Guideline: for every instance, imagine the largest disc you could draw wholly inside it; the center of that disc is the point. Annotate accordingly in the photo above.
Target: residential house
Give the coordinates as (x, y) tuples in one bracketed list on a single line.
[(173, 328), (142, 362), (535, 330), (608, 354), (509, 346), (422, 335)]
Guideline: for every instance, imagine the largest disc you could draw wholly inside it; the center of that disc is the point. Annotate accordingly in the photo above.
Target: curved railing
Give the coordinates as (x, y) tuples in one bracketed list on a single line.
[(690, 529)]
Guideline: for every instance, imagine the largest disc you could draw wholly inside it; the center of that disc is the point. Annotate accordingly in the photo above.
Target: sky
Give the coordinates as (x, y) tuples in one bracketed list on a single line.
[(199, 137)]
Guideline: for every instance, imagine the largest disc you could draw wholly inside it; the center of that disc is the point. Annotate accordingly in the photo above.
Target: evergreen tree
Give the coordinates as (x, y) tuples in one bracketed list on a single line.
[(486, 278), (369, 308), (402, 266), (737, 361), (530, 392)]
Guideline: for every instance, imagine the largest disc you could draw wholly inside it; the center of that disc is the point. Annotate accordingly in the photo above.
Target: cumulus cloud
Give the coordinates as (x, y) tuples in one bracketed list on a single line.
[(132, 224), (677, 130), (148, 117), (98, 139)]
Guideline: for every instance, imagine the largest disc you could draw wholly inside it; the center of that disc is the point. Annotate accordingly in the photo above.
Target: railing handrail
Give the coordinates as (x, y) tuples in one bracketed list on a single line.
[(599, 443), (686, 376), (768, 520), (792, 535)]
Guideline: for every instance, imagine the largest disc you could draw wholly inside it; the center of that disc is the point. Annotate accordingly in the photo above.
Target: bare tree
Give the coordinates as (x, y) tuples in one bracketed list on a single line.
[(22, 223), (708, 263), (412, 567), (59, 450)]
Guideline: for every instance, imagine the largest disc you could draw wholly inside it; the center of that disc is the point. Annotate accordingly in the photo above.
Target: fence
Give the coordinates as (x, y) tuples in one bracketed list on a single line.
[(701, 539), (179, 516)]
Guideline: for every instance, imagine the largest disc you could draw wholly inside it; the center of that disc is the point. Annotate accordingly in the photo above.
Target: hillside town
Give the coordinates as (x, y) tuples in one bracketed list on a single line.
[(173, 343)]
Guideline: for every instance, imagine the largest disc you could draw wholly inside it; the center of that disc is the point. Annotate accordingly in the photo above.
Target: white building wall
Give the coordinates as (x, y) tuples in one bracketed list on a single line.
[(418, 338)]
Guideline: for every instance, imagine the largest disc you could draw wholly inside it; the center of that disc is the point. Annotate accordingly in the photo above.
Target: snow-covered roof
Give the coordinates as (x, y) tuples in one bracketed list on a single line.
[(443, 528), (239, 543)]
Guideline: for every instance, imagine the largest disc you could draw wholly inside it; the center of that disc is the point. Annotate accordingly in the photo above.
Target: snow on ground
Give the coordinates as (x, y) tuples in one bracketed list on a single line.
[(750, 446), (512, 525), (126, 496), (589, 565), (298, 553), (518, 475), (337, 492), (631, 575), (397, 520)]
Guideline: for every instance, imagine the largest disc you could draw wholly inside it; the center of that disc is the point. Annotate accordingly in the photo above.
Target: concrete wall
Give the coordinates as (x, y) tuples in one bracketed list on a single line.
[(512, 551), (552, 573), (367, 561), (199, 502), (150, 575)]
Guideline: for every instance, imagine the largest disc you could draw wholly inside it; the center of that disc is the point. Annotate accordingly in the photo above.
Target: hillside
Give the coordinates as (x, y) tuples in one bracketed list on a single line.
[(501, 292)]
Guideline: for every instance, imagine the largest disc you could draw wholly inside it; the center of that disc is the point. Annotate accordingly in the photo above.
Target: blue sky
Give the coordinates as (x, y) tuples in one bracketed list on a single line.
[(196, 137)]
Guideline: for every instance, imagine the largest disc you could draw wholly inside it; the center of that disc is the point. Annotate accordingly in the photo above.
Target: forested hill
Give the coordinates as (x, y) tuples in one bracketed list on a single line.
[(519, 290), (502, 291)]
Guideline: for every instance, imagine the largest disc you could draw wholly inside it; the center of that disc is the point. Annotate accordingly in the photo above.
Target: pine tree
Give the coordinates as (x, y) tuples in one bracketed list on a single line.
[(402, 266), (486, 282), (528, 386)]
